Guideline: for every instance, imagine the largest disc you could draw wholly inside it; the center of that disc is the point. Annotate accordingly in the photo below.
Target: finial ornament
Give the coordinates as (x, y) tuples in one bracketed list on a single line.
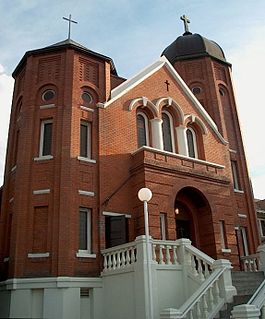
[(69, 24), (186, 21)]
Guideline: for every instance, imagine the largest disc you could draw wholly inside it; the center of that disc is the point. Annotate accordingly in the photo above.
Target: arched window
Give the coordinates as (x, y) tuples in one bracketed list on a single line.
[(142, 130), (167, 131), (192, 143)]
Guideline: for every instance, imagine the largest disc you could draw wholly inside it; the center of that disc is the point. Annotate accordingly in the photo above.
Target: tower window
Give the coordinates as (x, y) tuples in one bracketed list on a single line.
[(85, 230), (87, 97), (167, 132), (46, 138), (222, 92), (142, 129), (191, 141), (48, 95), (85, 139), (236, 180), (162, 218), (196, 90)]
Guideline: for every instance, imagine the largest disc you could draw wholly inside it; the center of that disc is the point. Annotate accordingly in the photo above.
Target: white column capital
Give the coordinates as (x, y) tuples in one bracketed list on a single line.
[(245, 312)]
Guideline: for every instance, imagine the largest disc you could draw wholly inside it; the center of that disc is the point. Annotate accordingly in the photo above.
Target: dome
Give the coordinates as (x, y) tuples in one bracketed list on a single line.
[(189, 46)]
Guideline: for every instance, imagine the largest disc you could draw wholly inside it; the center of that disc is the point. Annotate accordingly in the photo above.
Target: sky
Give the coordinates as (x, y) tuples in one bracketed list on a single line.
[(134, 33)]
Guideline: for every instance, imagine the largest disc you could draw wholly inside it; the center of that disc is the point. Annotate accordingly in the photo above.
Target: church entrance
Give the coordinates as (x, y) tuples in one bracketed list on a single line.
[(193, 219)]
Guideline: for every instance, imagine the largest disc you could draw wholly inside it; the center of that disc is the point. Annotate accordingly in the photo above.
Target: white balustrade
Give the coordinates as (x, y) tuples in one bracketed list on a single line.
[(251, 263), (165, 252), (119, 257)]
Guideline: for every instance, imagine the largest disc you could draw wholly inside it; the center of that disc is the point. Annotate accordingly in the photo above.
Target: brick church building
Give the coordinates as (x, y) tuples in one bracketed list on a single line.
[(82, 142)]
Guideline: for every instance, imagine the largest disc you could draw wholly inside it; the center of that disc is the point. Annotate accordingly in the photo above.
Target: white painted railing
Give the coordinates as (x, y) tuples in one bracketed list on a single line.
[(206, 302), (251, 262), (165, 252), (119, 257), (200, 263)]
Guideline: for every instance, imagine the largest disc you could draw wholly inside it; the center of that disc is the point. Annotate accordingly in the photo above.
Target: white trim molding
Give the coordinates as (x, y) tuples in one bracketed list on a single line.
[(85, 193), (38, 255), (41, 191), (86, 159), (105, 213), (85, 254), (47, 106), (242, 215), (85, 108), (43, 158)]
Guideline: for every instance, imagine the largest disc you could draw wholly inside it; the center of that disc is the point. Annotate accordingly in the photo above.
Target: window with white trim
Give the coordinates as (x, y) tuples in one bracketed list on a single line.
[(142, 130), (262, 227), (223, 234), (167, 130), (236, 180), (191, 143), (85, 139), (45, 138), (85, 230), (162, 218)]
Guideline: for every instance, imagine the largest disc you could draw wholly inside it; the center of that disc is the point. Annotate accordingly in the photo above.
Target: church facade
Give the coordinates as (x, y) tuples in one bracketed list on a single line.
[(83, 141)]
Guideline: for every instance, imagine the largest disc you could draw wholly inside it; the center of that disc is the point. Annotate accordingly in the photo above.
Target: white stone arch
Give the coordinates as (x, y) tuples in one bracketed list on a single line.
[(191, 118), (145, 102), (167, 102)]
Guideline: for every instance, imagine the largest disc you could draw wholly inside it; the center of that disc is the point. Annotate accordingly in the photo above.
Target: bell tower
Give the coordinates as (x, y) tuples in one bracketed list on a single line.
[(202, 65)]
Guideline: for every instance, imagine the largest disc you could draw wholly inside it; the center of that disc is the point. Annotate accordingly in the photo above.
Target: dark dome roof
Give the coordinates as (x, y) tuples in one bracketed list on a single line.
[(190, 46)]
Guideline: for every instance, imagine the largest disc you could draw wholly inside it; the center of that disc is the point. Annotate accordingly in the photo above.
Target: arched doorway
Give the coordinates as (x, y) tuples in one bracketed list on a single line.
[(194, 219)]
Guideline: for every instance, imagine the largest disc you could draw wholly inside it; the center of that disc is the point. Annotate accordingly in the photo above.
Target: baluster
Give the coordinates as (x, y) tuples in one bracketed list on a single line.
[(211, 299), (258, 263), (262, 312), (114, 263), (175, 257), (109, 261), (198, 310), (154, 252), (105, 264), (128, 259), (132, 255), (123, 258), (161, 256), (206, 271), (204, 306), (168, 259), (200, 270), (216, 292), (191, 314), (118, 259), (193, 265), (255, 264), (245, 265)]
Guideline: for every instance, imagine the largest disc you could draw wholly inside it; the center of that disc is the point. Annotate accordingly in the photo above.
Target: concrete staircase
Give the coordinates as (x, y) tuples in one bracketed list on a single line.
[(246, 284)]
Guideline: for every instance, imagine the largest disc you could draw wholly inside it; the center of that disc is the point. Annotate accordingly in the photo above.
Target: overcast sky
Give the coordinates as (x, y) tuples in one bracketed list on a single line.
[(134, 33)]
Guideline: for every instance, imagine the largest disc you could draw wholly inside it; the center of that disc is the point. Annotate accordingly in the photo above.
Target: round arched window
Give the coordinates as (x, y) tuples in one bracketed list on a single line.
[(222, 92), (48, 95), (87, 97)]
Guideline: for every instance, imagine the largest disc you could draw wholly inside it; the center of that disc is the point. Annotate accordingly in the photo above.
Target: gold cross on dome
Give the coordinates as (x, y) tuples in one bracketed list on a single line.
[(69, 26)]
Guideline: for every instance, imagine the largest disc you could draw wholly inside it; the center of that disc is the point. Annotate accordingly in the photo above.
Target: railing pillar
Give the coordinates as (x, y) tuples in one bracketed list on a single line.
[(245, 312), (261, 251), (226, 287), (170, 313)]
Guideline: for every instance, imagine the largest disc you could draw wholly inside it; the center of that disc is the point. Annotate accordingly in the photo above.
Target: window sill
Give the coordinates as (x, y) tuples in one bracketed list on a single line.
[(226, 250), (47, 106), (85, 108), (86, 159), (85, 254), (43, 158), (238, 191), (38, 255), (13, 168)]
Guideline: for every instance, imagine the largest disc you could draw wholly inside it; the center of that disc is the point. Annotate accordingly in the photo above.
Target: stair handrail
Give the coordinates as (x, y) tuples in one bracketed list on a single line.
[(200, 254), (258, 298)]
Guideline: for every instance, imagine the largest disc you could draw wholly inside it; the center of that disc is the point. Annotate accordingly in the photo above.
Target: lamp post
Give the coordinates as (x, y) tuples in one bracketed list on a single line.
[(145, 195)]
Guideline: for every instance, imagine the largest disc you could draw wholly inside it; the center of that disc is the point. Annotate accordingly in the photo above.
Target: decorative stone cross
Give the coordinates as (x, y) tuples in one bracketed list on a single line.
[(69, 22), (186, 21), (167, 84)]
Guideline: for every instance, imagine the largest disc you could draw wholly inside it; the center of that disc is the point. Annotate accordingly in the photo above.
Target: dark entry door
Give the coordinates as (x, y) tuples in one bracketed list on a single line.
[(183, 229), (116, 230)]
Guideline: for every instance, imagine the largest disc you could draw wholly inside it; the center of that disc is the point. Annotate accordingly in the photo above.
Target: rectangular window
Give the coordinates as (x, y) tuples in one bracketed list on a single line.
[(236, 180), (162, 218), (223, 234), (262, 227), (85, 139), (46, 138), (85, 230)]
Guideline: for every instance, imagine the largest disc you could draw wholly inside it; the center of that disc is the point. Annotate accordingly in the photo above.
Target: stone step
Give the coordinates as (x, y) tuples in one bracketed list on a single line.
[(246, 283), (238, 300)]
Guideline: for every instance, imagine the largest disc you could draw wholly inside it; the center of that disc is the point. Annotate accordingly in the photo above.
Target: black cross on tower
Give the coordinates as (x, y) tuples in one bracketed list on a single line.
[(69, 22), (167, 84), (186, 27)]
